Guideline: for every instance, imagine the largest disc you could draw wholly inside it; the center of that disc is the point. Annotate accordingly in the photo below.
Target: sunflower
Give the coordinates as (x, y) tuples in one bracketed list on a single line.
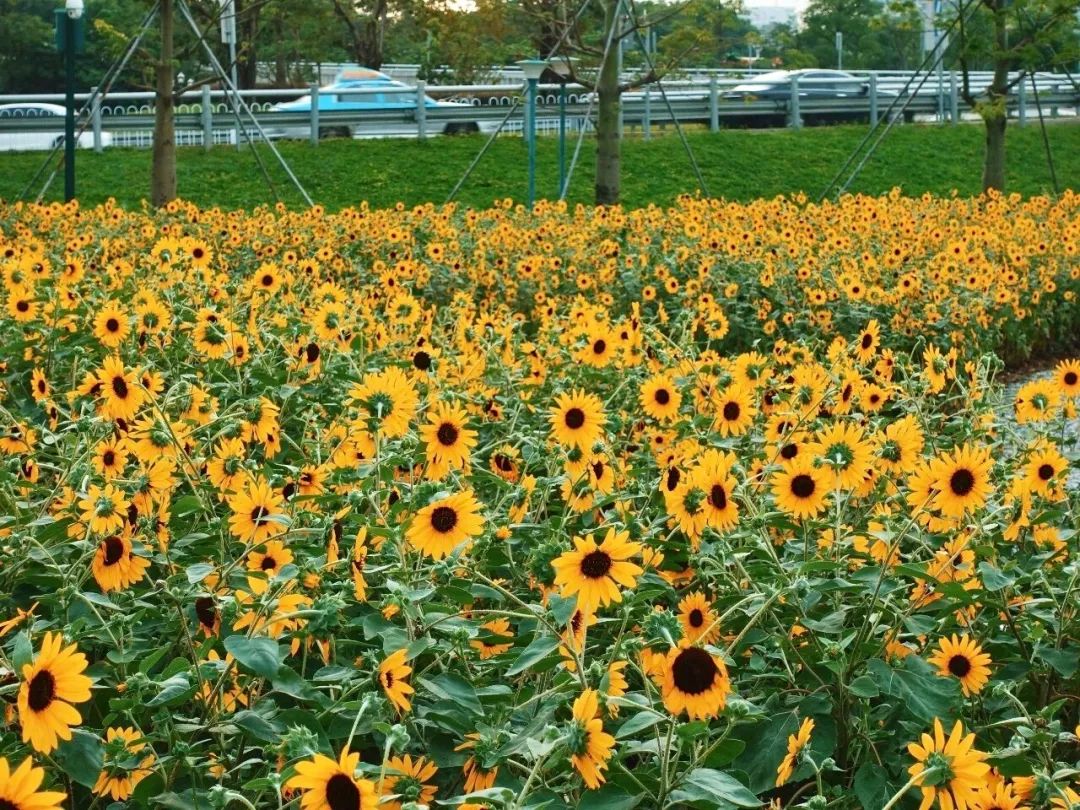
[(406, 777), (999, 797), (948, 769), (844, 453), (963, 659), (660, 399), (713, 478), (594, 571), (388, 399), (800, 489), (125, 767), (50, 685), (505, 462), (614, 684), (330, 785), (487, 645), (120, 392), (795, 745), (697, 619), (271, 557), (599, 348), (1067, 377), (111, 325), (962, 480), (899, 446), (477, 777), (590, 746), (1044, 466), (869, 340), (103, 509), (392, 674), (694, 681), (448, 441), (735, 410), (577, 420), (39, 386), (256, 512), (110, 457), (19, 788), (443, 525), (115, 567)]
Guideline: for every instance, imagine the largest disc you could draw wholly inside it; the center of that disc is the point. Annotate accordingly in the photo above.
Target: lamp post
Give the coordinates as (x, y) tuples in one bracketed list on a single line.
[(562, 66), (533, 69), (69, 41)]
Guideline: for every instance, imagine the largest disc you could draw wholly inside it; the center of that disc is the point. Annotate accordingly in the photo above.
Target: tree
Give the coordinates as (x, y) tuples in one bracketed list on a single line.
[(1019, 36), (366, 26), (852, 18)]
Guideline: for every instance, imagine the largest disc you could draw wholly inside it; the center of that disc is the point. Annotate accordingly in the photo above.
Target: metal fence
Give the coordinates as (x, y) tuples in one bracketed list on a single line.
[(207, 117)]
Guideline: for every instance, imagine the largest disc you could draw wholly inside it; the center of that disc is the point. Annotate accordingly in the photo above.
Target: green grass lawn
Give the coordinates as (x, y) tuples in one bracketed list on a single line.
[(738, 165)]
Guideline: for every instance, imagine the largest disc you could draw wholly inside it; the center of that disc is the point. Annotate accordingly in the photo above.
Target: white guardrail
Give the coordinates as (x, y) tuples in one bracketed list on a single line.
[(207, 117)]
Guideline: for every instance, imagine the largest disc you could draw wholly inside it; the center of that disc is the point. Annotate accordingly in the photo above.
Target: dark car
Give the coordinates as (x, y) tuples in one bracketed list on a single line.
[(825, 97)]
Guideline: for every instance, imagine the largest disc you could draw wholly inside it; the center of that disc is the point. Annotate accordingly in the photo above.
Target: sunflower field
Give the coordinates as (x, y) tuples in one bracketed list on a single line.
[(712, 506)]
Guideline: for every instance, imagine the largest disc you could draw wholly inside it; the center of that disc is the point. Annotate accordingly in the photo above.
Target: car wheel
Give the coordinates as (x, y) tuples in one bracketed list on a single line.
[(334, 132), (461, 128)]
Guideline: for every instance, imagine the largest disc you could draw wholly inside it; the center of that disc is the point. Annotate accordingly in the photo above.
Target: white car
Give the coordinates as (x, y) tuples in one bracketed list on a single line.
[(38, 137)]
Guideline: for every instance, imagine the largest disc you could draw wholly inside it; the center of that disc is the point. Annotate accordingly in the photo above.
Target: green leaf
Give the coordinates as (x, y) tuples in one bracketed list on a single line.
[(541, 648), (174, 690), (993, 579), (451, 687), (199, 572), (609, 797), (717, 788), (23, 653), (262, 656), (639, 722), (81, 757), (256, 725), (871, 786), (863, 687), (1064, 663), (924, 694), (766, 746)]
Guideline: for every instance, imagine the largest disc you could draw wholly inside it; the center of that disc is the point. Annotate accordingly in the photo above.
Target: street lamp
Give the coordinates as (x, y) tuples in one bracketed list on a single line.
[(533, 69), (69, 42), (562, 66)]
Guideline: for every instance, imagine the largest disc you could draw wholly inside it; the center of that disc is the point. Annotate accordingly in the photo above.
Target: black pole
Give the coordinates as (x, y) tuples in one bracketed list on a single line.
[(69, 119)]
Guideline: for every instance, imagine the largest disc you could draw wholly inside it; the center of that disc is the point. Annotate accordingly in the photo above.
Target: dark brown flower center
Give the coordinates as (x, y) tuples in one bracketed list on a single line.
[(114, 549), (1046, 471), (803, 485), (574, 418), (268, 563), (503, 462), (732, 411), (259, 515), (662, 395), (1071, 377), (718, 497), (42, 691), (112, 325), (789, 451), (672, 481), (443, 519), (342, 793), (696, 618), (120, 386), (693, 671), (23, 306), (447, 434), (600, 346), (959, 665), (206, 611), (595, 564), (312, 351), (961, 482), (598, 470), (422, 360), (867, 340), (109, 458), (267, 280)]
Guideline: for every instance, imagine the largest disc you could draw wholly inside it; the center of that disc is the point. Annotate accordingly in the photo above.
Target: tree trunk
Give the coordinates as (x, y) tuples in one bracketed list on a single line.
[(247, 29), (994, 158), (163, 168), (608, 147), (281, 60)]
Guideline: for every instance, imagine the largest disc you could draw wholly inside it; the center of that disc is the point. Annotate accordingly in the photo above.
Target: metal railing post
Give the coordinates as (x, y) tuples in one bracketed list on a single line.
[(313, 135), (646, 120), (714, 105), (795, 116), (206, 118), (1021, 103), (95, 118), (954, 98), (421, 110), (872, 93)]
